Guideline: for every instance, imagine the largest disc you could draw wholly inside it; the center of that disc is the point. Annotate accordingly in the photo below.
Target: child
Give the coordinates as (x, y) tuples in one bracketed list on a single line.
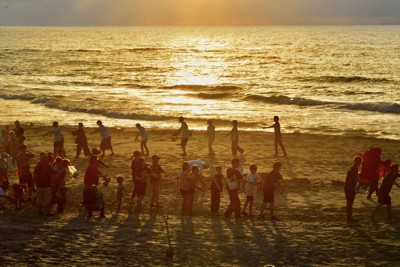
[(14, 146), (269, 187), (350, 187), (384, 190), (250, 189), (155, 175), (234, 176), (121, 191), (216, 189)]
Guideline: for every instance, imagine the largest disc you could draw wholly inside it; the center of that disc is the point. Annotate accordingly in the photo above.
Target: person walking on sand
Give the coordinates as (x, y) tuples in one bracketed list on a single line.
[(184, 129), (234, 177), (270, 182), (234, 133), (81, 141), (352, 178), (384, 191), (144, 136), (278, 136), (58, 137), (210, 134), (105, 138)]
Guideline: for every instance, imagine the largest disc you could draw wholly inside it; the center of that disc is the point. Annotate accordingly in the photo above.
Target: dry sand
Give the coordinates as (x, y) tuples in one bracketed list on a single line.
[(313, 229)]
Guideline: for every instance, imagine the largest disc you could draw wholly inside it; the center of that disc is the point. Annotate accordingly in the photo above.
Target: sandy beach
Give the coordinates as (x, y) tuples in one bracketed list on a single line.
[(312, 231)]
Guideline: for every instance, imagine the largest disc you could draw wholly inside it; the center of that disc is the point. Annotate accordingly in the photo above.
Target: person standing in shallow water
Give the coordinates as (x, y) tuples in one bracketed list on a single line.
[(143, 143), (278, 136), (210, 134), (234, 133), (184, 129)]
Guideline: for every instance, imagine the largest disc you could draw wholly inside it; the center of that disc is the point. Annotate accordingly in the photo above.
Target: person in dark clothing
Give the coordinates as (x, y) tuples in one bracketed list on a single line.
[(278, 136), (93, 201), (24, 173), (216, 189), (234, 133), (19, 132), (81, 141), (92, 174), (270, 182), (384, 190), (350, 187), (140, 174)]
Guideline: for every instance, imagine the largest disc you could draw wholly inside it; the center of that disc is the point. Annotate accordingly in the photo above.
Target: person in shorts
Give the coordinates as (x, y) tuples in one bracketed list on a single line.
[(184, 129), (156, 171), (270, 182), (250, 189)]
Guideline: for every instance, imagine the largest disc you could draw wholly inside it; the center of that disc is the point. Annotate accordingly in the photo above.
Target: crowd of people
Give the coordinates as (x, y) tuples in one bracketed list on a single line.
[(45, 186)]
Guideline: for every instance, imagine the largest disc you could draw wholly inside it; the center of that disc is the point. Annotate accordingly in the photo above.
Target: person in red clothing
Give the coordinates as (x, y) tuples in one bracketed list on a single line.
[(42, 178), (93, 173), (270, 182)]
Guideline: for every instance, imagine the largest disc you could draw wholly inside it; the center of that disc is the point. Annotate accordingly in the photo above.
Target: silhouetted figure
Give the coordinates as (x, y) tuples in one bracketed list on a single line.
[(105, 143), (81, 141), (58, 138), (270, 182), (93, 201), (350, 187), (92, 174), (19, 132), (384, 190), (24, 173), (184, 129), (210, 134), (233, 177), (42, 178), (140, 174), (144, 137), (250, 189), (278, 136), (234, 133), (216, 189)]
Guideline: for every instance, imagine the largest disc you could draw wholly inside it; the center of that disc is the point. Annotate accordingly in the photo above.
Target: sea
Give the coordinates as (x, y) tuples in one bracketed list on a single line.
[(331, 80)]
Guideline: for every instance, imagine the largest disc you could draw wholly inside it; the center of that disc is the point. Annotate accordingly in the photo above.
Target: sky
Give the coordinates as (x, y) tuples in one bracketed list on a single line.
[(197, 12)]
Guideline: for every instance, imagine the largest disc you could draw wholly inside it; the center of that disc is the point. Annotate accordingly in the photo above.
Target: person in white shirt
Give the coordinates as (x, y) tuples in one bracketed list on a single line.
[(58, 138), (105, 138), (250, 189), (144, 136)]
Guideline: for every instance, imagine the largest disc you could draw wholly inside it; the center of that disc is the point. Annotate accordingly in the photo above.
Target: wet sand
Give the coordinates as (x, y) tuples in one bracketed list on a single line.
[(312, 230)]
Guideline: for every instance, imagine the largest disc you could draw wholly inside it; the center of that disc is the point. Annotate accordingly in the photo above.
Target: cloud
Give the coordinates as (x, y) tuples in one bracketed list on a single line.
[(196, 12)]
